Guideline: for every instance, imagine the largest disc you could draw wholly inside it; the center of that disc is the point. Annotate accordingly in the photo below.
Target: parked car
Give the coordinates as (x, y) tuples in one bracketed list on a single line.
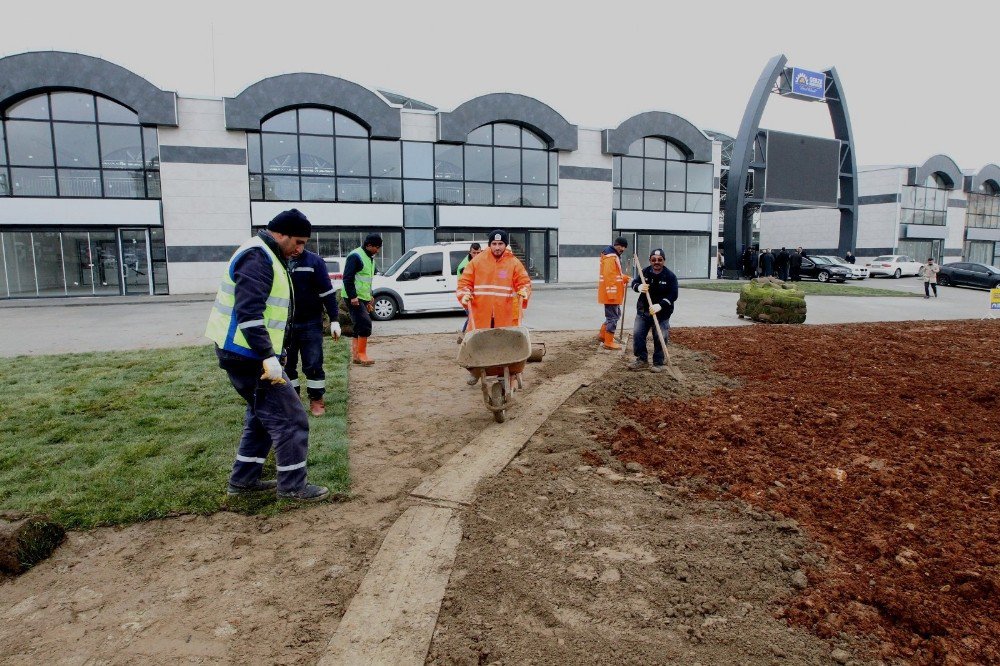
[(823, 268), (422, 280), (335, 267), (894, 265), (858, 272), (969, 274)]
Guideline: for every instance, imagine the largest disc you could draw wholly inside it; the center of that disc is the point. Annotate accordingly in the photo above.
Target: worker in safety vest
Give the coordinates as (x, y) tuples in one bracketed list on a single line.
[(359, 269), (248, 323), (611, 291), (494, 287), (474, 251)]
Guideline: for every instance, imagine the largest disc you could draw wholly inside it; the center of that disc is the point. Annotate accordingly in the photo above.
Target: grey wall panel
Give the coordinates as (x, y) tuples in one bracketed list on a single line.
[(580, 251), (195, 253), (454, 126), (585, 173), (878, 199), (246, 110), (692, 140), (958, 203), (26, 74), (941, 165), (202, 155)]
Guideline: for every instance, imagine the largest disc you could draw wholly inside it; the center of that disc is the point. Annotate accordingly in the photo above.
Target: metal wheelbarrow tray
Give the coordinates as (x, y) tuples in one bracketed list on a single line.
[(500, 353)]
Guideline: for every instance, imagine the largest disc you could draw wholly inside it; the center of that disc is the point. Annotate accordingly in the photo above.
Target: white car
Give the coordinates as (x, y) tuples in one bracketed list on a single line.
[(422, 280), (335, 268), (858, 272), (894, 265)]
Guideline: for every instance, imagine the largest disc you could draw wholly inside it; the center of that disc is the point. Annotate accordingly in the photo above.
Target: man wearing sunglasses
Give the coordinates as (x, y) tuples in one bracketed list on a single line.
[(661, 283)]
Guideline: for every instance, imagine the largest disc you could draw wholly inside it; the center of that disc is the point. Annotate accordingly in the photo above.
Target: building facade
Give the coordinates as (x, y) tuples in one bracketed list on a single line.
[(111, 186)]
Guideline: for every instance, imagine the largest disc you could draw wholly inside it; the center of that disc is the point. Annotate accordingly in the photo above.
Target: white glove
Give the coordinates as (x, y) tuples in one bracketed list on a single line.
[(656, 308), (466, 299), (643, 288), (523, 293), (272, 370), (335, 330)]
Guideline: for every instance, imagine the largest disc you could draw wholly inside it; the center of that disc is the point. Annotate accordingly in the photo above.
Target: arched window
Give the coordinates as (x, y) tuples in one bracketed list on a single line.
[(655, 175), (984, 207), (315, 154), (925, 204), (73, 144)]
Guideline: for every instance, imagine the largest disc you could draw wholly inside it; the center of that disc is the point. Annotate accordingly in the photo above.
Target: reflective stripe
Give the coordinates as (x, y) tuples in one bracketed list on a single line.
[(294, 383), (259, 461), (278, 302), (362, 278), (228, 288), (251, 324), (289, 468), (224, 309), (327, 293), (275, 324), (315, 383), (303, 269)]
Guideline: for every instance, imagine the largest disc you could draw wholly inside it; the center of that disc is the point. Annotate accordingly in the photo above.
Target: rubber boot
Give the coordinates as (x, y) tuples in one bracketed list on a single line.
[(600, 334), (609, 341), (362, 358), (354, 350)]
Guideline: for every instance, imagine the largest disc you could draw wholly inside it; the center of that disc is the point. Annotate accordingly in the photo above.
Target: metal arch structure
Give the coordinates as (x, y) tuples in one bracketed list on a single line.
[(749, 153), (940, 165), (989, 176)]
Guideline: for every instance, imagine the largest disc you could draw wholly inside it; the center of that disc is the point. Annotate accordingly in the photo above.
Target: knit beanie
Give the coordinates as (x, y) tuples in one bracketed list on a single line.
[(500, 235), (291, 223)]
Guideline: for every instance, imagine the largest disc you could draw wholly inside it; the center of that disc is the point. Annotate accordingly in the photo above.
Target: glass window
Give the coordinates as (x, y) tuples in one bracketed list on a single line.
[(674, 153), (616, 172), (281, 188), (447, 162), (478, 194), (506, 195), (507, 165), (316, 155), (506, 135), (385, 190), (317, 188), (655, 147), (530, 140), (121, 147), (652, 200), (35, 108), (418, 160), (674, 201), (699, 203), (353, 189), (79, 182), (653, 174), (418, 191), (151, 148), (30, 144), (635, 148), (281, 153), (534, 166), (449, 192), (282, 122), (431, 264), (478, 163), (632, 172), (253, 152), (553, 168), (33, 182), (699, 177), (676, 176), (481, 135), (631, 200), (113, 112), (535, 195), (385, 159), (76, 145), (352, 157), (3, 145), (316, 121), (418, 217), (153, 184), (73, 106), (20, 263), (124, 184), (349, 127)]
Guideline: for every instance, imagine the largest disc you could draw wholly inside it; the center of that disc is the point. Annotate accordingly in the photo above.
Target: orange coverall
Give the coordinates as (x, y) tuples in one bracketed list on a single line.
[(493, 284)]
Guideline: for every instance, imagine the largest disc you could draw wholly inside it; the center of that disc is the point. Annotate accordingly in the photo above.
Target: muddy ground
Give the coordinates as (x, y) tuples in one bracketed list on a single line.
[(695, 555)]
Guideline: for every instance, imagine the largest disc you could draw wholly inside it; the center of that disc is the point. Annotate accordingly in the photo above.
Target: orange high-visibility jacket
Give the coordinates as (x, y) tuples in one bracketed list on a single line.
[(612, 280), (493, 284)]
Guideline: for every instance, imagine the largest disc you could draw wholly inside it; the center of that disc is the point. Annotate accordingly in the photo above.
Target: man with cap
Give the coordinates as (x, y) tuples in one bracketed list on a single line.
[(661, 284), (248, 324), (611, 290), (359, 269), (494, 287), (313, 292)]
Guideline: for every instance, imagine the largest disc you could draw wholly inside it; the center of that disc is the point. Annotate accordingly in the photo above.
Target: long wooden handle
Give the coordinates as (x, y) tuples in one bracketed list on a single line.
[(649, 300)]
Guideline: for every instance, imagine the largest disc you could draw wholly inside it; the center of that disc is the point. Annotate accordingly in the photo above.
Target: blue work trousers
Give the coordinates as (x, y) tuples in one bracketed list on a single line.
[(307, 341), (274, 416), (643, 325), (612, 315)]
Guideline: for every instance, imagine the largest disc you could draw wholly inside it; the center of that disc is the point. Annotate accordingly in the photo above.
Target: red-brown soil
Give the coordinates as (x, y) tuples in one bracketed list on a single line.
[(882, 442)]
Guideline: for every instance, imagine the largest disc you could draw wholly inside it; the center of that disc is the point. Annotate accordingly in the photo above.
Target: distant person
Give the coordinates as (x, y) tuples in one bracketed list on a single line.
[(795, 265), (359, 269), (661, 284), (767, 263), (720, 263), (929, 272), (781, 264), (849, 258), (611, 284), (747, 262), (474, 251), (755, 262)]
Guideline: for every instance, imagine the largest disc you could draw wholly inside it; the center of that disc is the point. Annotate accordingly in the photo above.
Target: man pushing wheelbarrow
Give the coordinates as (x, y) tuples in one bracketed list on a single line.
[(495, 288)]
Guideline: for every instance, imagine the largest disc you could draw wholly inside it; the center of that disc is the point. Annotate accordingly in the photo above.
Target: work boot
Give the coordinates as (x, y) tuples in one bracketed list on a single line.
[(317, 407), (361, 358), (637, 364), (258, 486), (656, 368), (609, 341), (308, 493), (600, 334)]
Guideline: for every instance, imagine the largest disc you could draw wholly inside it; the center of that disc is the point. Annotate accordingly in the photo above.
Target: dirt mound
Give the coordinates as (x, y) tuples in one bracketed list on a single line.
[(878, 440)]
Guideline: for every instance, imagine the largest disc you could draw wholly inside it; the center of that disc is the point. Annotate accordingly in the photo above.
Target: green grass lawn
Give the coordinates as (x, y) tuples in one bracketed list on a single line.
[(817, 288), (111, 438)]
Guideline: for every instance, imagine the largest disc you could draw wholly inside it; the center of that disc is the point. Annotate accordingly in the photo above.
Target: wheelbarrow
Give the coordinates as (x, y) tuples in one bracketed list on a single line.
[(496, 356)]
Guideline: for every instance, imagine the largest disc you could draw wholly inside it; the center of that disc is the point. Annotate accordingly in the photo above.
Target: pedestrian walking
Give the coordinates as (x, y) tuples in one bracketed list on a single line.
[(767, 263), (611, 284), (248, 324), (720, 263), (661, 284), (929, 272), (781, 264), (359, 269), (313, 292)]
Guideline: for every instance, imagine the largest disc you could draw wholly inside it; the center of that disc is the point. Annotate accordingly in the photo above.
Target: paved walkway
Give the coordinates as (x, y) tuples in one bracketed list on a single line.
[(103, 324)]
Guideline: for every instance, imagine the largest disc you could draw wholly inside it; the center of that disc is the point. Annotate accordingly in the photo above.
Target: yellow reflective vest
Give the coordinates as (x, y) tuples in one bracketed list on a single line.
[(363, 278), (225, 331)]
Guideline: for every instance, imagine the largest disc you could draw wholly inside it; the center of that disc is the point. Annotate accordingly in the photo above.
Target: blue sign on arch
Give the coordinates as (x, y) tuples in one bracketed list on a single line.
[(807, 84)]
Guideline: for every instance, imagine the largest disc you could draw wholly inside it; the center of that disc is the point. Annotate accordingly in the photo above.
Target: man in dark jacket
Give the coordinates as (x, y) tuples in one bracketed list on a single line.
[(661, 284), (313, 292), (781, 264), (850, 258), (747, 263), (767, 263), (795, 265), (248, 325)]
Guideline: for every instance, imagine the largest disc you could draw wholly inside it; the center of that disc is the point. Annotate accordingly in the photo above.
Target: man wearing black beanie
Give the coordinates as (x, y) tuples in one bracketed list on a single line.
[(359, 269), (248, 324)]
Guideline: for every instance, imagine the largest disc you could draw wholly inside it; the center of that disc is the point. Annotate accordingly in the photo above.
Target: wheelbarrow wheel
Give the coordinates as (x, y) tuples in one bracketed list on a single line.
[(500, 416), (498, 402)]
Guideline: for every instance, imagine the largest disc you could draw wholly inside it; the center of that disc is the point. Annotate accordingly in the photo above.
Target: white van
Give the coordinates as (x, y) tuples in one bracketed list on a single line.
[(422, 280)]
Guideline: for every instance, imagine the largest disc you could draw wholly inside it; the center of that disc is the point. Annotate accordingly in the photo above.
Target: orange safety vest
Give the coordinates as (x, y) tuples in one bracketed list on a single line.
[(493, 284), (611, 284)]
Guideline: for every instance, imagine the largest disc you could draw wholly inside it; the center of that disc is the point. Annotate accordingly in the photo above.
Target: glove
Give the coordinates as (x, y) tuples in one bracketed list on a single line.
[(335, 330), (656, 308), (272, 370), (371, 308), (466, 299), (643, 288), (523, 293)]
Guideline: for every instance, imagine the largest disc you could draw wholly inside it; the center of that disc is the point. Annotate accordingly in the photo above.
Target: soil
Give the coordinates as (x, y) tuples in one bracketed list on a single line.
[(879, 441)]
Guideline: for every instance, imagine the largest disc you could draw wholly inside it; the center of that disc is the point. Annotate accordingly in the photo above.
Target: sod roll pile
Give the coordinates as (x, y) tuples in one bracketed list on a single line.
[(26, 541), (772, 301)]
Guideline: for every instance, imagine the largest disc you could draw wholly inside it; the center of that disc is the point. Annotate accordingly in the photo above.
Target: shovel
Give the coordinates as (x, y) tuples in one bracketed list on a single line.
[(622, 335), (672, 369)]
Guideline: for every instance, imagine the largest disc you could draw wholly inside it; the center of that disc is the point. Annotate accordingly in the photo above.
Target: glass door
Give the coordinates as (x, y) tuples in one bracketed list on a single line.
[(135, 262)]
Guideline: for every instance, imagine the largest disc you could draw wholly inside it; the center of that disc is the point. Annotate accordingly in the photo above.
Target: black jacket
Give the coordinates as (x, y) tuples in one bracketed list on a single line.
[(795, 261), (781, 260), (663, 289), (313, 289), (351, 268)]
